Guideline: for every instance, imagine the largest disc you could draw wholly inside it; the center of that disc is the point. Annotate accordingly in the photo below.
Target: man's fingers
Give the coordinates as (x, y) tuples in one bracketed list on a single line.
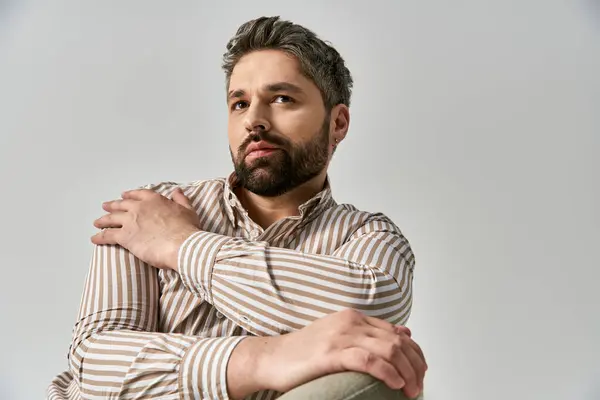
[(408, 373), (379, 323), (361, 360), (417, 363), (117, 205), (383, 324), (112, 220), (139, 194), (403, 329), (391, 348), (106, 236), (390, 337), (419, 351), (181, 199)]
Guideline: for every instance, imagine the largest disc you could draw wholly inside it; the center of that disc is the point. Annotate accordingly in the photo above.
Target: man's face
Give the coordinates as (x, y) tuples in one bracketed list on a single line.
[(277, 112)]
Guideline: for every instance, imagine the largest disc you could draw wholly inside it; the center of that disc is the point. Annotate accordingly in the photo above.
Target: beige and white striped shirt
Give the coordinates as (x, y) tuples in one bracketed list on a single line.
[(145, 333)]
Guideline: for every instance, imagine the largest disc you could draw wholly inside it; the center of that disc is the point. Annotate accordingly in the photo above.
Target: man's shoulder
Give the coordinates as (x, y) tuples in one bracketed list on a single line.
[(190, 188), (363, 218), (377, 224)]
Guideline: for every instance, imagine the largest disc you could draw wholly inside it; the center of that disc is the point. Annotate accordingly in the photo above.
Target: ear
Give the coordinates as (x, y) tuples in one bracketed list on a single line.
[(340, 121)]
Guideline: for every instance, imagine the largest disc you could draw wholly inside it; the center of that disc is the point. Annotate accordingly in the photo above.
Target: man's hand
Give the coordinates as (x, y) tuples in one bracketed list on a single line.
[(149, 225), (343, 341)]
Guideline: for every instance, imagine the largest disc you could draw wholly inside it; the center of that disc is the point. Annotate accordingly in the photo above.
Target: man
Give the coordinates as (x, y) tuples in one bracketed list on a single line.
[(257, 284)]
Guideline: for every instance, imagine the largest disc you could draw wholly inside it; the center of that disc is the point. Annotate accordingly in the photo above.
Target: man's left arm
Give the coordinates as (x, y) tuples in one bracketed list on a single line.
[(269, 290)]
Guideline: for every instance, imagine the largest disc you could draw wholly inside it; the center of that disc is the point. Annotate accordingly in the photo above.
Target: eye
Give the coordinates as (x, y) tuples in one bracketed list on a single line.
[(283, 99), (238, 105)]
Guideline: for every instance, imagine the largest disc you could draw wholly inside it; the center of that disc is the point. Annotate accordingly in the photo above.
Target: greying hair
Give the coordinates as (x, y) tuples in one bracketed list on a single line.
[(319, 61)]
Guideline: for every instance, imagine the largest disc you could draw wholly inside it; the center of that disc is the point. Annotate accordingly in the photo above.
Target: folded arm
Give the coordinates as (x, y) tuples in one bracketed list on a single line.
[(116, 351), (269, 290)]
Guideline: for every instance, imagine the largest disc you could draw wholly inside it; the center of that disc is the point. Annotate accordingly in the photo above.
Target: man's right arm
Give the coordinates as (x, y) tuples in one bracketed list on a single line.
[(116, 351), (343, 341)]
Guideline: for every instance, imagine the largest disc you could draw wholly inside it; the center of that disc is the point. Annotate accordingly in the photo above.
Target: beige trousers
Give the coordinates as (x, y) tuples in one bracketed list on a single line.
[(345, 386)]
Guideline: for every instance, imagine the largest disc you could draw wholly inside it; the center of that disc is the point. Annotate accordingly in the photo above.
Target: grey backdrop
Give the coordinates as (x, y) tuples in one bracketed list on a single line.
[(475, 126)]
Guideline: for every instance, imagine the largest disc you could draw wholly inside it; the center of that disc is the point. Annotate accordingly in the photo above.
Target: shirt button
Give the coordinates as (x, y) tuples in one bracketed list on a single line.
[(254, 234), (219, 315), (232, 202)]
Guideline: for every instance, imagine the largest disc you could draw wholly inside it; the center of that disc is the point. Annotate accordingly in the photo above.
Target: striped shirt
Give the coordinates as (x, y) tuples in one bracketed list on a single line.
[(145, 333)]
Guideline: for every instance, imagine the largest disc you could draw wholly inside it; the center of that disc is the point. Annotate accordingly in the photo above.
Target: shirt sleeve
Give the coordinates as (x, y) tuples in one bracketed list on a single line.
[(116, 351), (269, 290)]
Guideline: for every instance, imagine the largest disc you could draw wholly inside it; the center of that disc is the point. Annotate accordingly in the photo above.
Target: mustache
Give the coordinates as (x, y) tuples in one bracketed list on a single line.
[(265, 136)]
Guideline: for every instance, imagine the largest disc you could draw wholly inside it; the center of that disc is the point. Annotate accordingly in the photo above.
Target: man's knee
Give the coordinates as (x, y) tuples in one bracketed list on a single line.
[(344, 386)]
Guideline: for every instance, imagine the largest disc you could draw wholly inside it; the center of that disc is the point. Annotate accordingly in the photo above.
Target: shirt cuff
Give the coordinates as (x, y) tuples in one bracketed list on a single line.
[(203, 371), (196, 259)]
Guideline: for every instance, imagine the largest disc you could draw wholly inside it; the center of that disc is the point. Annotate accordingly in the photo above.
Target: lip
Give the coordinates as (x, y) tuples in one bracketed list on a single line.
[(260, 146), (260, 153)]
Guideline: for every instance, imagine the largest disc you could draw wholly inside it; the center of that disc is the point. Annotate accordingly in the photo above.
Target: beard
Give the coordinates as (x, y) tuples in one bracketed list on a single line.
[(286, 168)]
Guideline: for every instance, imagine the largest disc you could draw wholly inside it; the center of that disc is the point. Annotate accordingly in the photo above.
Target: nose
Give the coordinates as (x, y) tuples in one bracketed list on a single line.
[(256, 118)]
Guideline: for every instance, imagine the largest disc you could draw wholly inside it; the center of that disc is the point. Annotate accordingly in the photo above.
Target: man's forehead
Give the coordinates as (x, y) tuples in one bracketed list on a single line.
[(262, 68)]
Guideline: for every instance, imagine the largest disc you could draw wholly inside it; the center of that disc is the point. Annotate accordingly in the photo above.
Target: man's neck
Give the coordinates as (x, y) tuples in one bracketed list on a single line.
[(265, 211)]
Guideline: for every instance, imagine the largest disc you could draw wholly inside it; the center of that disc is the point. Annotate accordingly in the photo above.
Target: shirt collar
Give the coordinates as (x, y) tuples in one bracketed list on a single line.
[(316, 204)]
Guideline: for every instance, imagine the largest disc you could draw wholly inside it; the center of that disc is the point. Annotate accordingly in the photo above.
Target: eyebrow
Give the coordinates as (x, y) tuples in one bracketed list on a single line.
[(273, 87)]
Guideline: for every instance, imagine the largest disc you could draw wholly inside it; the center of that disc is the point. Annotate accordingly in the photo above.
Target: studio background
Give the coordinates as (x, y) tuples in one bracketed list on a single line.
[(474, 125)]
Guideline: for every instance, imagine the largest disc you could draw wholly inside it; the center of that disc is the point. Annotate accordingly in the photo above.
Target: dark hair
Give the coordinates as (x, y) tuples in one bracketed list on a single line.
[(319, 61)]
